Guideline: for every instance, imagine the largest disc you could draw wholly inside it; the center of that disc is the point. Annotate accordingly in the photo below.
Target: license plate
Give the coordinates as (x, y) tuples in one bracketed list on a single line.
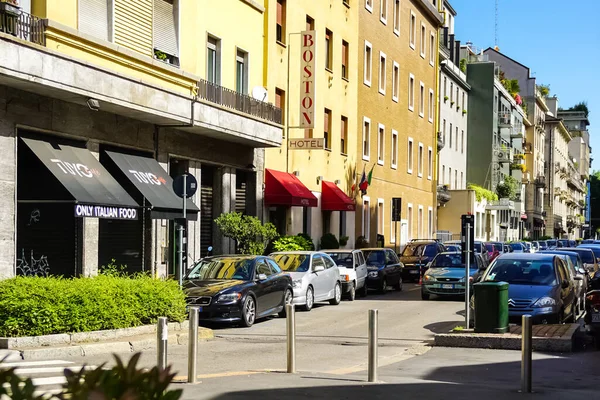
[(596, 317), (447, 286), (414, 271)]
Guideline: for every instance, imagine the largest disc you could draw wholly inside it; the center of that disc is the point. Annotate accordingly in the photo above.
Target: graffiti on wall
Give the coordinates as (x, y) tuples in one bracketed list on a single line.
[(32, 266), (34, 217)]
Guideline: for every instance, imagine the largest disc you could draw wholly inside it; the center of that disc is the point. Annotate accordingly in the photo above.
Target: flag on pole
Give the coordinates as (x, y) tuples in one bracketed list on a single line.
[(363, 182), (370, 176)]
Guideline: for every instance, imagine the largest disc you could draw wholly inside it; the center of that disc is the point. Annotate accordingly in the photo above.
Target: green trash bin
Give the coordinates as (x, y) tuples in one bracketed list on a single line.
[(491, 307)]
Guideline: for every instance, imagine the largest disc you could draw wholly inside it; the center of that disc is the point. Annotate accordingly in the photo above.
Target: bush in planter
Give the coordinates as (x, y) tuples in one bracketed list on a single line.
[(33, 306), (344, 241), (251, 236), (292, 243), (361, 243), (328, 241), (308, 238)]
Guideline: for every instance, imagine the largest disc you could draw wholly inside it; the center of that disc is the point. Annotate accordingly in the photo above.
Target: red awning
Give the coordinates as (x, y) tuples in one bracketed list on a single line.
[(334, 199), (285, 189)]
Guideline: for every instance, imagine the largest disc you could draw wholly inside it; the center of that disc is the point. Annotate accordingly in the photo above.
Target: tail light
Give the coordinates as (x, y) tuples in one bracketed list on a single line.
[(594, 299)]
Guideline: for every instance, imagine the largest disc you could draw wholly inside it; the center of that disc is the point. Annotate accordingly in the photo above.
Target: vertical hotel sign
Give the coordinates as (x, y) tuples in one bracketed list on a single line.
[(307, 82)]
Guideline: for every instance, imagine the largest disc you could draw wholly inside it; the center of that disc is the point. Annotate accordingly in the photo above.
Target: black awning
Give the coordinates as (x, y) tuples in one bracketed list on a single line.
[(81, 174), (154, 183)]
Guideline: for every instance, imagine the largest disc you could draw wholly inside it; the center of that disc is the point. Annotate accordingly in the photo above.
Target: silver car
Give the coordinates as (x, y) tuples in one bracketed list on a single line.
[(315, 277)]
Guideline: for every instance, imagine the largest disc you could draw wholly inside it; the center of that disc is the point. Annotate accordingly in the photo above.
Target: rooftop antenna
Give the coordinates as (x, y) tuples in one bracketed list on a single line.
[(496, 27)]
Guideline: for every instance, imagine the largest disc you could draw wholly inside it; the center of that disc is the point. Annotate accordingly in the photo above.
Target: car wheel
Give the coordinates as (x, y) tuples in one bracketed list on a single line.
[(288, 298), (352, 292), (310, 299), (364, 291), (398, 286), (383, 286), (424, 296), (248, 312), (337, 295)]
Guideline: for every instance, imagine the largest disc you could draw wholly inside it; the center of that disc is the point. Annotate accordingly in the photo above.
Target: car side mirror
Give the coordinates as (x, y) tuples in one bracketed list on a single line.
[(318, 268), (564, 284), (262, 277)]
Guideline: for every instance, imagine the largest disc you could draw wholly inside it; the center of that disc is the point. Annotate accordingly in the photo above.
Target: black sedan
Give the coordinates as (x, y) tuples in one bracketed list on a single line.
[(384, 269), (238, 288)]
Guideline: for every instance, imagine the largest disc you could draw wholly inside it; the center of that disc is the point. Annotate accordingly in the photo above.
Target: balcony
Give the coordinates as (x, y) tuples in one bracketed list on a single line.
[(443, 194), (505, 121), (503, 154), (21, 25), (527, 148), (502, 204), (440, 141), (540, 182)]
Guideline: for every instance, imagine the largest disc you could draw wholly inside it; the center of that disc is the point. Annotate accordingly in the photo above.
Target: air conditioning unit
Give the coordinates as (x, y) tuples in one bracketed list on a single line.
[(503, 155)]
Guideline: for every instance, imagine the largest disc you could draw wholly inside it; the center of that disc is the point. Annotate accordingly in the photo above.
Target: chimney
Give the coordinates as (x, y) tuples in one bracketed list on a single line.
[(452, 51), (446, 32), (457, 56)]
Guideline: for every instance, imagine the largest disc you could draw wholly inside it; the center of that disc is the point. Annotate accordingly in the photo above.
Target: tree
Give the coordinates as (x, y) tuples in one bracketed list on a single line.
[(581, 106), (249, 234), (508, 188)]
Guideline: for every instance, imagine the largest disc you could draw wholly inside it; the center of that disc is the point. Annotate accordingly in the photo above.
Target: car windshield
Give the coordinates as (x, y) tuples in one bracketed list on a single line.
[(491, 247), (445, 260), (564, 242), (478, 247), (551, 242), (223, 268), (375, 257), (342, 259), (586, 256), (594, 249), (516, 246), (452, 247), (522, 272), (422, 249), (293, 262)]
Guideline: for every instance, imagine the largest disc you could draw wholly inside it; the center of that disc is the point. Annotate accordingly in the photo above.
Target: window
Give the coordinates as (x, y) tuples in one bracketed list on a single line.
[(241, 72), (368, 62), (344, 59), (380, 144), (463, 101), (413, 30), (383, 8), (327, 129), (420, 161), (444, 130), (366, 134), (392, 223), (369, 5), (344, 135), (457, 97), (328, 49), (280, 103), (366, 217), (445, 86), (280, 28), (409, 217), (409, 159), (213, 60), (95, 18), (382, 72), (455, 179), (421, 100), (462, 141), (450, 177), (420, 223), (310, 23), (411, 92), (164, 29), (423, 39), (397, 17), (429, 162), (395, 81), (462, 184), (456, 139), (431, 104), (451, 91), (432, 49), (380, 216), (394, 150), (450, 136), (429, 222), (443, 174)]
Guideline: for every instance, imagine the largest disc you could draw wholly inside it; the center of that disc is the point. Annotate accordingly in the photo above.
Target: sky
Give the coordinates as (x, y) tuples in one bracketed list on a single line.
[(558, 40)]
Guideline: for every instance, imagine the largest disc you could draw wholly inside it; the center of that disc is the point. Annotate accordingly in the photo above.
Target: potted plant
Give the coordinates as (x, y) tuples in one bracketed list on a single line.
[(464, 112), (445, 98), (452, 103)]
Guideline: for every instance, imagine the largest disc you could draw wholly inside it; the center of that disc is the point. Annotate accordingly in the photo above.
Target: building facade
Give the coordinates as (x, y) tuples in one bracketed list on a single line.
[(397, 114), (104, 103), (321, 161)]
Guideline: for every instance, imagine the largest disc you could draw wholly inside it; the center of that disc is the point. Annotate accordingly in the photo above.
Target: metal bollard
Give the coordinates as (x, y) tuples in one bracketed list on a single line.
[(291, 338), (526, 350), (162, 335), (373, 325), (193, 344)]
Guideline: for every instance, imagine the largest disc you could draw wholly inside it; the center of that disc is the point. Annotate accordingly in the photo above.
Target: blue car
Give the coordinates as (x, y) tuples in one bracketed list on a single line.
[(539, 285), (446, 275)]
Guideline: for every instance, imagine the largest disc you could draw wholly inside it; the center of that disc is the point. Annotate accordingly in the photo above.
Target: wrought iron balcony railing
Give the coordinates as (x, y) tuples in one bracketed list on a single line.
[(22, 25)]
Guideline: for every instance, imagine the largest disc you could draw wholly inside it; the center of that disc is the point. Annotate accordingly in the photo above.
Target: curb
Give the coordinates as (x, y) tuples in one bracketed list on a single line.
[(133, 345), (563, 344)]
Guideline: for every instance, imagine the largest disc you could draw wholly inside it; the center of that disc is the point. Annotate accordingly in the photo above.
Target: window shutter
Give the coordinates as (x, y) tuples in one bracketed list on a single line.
[(279, 13), (345, 54), (93, 18), (343, 128), (326, 119), (165, 33)]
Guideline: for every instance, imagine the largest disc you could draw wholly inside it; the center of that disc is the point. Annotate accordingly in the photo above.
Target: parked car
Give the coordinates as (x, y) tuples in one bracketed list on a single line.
[(517, 247), (577, 274), (535, 246), (385, 269), (564, 242), (527, 247), (446, 275), (353, 271), (416, 255), (587, 256), (315, 277), (494, 249), (594, 247), (539, 285), (553, 244), (238, 288), (543, 244), (592, 309), (479, 248), (453, 247)]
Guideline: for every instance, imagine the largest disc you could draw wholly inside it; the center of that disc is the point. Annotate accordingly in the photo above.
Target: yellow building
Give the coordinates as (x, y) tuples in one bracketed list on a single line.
[(179, 84), (323, 175), (397, 116)]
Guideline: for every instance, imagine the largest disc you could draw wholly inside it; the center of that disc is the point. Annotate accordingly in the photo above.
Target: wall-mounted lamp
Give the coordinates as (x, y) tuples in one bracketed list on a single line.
[(337, 181), (319, 179), (93, 104), (297, 173)]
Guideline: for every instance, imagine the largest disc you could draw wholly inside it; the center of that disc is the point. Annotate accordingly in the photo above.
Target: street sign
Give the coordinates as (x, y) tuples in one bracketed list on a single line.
[(467, 219), (190, 182), (396, 209)]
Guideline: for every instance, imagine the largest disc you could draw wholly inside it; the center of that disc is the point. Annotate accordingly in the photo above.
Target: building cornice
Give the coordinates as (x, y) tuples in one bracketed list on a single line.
[(450, 8), (431, 11), (460, 81)]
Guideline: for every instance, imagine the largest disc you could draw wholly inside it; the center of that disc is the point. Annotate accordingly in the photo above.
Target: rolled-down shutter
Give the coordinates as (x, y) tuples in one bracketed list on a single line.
[(93, 18), (164, 24)]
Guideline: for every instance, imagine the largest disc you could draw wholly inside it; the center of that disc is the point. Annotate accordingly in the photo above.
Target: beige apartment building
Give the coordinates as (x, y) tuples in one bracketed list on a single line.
[(397, 116)]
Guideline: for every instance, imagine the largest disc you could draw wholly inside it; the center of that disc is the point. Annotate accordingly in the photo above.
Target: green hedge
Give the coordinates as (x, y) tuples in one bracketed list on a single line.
[(31, 306)]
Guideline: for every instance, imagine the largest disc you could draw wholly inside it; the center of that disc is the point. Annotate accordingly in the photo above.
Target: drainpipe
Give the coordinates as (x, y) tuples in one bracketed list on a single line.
[(436, 123)]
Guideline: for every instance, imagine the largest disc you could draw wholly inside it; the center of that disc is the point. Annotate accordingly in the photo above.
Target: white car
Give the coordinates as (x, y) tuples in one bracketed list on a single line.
[(315, 277), (353, 271)]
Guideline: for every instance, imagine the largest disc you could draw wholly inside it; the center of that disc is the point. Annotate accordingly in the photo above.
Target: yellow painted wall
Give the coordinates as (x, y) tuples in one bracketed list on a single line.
[(235, 22), (332, 92)]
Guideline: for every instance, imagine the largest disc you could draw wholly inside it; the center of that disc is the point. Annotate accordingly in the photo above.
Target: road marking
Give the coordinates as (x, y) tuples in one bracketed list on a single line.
[(221, 375), (32, 363)]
